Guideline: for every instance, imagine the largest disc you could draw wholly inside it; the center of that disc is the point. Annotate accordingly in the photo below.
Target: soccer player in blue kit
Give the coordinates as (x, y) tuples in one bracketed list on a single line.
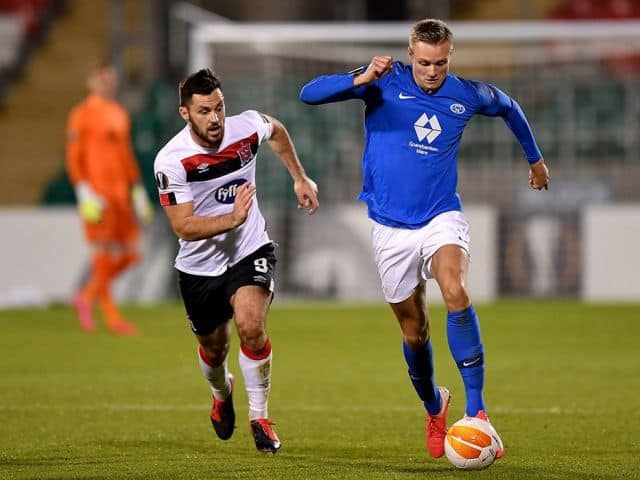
[(414, 118)]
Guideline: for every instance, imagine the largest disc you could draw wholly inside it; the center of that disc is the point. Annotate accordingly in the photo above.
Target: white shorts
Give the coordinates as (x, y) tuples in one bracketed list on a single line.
[(403, 256)]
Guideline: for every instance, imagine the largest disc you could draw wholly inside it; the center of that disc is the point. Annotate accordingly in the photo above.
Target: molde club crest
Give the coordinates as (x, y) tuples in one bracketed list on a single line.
[(227, 193)]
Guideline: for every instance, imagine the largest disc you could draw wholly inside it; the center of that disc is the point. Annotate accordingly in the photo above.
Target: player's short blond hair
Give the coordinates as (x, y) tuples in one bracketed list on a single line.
[(431, 31)]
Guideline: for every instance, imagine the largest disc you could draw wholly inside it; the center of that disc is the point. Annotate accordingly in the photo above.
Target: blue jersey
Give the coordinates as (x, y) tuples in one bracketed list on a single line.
[(412, 138)]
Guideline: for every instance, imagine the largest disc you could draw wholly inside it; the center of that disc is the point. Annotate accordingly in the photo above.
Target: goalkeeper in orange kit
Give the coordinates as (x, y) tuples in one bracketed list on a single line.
[(105, 175)]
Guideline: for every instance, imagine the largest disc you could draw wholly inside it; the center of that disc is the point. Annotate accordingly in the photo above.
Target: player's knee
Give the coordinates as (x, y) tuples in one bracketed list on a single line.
[(455, 296)]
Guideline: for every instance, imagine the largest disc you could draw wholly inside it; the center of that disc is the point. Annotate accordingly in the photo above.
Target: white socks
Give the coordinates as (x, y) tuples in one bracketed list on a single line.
[(217, 376), (256, 369)]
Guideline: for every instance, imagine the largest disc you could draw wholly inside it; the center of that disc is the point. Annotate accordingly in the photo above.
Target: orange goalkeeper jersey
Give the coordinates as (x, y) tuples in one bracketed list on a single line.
[(99, 148), (99, 152)]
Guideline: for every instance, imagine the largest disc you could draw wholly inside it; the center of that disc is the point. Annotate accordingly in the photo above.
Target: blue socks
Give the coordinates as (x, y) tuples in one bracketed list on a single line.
[(463, 334), (420, 364)]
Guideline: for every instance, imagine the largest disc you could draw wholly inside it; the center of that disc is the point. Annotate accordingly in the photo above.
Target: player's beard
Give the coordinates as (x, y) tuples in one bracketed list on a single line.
[(203, 134)]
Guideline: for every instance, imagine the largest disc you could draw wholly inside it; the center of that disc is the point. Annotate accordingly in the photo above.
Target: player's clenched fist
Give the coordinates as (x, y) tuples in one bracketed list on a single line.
[(539, 176), (379, 66)]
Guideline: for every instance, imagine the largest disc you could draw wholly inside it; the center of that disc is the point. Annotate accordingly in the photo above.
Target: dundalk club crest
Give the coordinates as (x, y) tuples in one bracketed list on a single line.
[(244, 154)]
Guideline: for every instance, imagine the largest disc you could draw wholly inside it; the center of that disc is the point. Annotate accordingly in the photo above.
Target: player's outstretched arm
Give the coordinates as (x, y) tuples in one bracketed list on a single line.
[(305, 189), (344, 86), (190, 227), (539, 175)]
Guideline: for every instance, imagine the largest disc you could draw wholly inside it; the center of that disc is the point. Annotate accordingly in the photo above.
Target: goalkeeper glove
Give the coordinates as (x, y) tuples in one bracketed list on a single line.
[(90, 204), (141, 204)]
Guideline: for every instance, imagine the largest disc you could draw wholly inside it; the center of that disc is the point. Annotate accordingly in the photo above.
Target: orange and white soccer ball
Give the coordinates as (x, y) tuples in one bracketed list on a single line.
[(470, 444)]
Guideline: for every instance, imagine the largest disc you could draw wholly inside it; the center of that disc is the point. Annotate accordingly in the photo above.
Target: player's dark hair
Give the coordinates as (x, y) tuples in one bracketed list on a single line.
[(202, 82), (431, 31)]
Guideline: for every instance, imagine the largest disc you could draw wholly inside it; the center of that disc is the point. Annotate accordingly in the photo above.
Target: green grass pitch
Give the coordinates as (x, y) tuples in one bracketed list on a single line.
[(563, 390)]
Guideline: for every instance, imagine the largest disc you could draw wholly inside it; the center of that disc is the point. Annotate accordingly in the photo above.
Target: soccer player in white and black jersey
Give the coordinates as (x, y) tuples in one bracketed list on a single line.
[(206, 181)]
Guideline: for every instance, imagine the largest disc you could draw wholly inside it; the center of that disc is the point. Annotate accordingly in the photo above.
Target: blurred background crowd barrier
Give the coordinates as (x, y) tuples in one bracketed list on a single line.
[(573, 65)]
